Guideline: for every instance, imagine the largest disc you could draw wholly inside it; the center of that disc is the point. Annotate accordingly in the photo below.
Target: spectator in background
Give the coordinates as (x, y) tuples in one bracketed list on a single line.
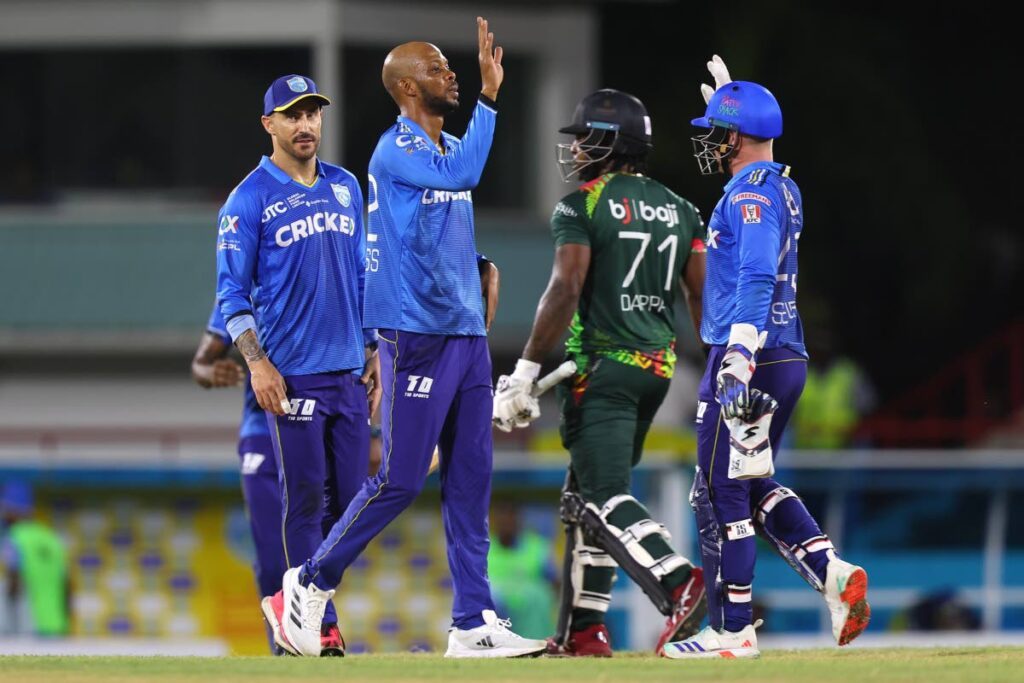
[(940, 610), (36, 564), (836, 395), (524, 579)]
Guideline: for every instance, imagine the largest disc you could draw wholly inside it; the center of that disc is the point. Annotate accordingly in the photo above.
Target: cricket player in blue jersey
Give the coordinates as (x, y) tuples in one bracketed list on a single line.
[(290, 281), (212, 367), (423, 296), (755, 372)]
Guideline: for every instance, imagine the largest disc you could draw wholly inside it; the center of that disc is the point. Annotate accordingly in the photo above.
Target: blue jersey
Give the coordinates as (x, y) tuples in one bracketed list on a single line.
[(751, 258), (421, 259), (254, 420), (290, 264)]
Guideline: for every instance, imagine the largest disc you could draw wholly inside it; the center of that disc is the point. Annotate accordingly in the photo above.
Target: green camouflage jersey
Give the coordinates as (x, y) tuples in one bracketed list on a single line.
[(640, 235)]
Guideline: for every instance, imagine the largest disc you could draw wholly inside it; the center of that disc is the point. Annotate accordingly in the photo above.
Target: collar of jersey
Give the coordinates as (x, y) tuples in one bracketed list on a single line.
[(280, 176), (419, 132), (773, 166)]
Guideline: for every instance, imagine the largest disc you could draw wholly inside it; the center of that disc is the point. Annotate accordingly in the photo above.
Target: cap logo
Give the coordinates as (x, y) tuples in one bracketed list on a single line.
[(729, 106), (647, 125), (298, 84)]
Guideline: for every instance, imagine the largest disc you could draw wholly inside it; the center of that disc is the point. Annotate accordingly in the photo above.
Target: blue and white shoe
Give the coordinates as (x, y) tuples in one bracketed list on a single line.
[(710, 644)]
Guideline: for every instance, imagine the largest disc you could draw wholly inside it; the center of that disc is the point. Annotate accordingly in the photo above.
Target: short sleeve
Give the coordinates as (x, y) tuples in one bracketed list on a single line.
[(569, 222)]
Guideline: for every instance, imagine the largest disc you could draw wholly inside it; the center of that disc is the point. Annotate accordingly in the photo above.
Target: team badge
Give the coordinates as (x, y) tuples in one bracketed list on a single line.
[(298, 84), (751, 213), (342, 194)]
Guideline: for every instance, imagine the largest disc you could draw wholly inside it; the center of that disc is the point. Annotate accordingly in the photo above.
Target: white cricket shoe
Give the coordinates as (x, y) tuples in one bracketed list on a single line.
[(710, 643), (493, 639), (846, 589), (303, 613)]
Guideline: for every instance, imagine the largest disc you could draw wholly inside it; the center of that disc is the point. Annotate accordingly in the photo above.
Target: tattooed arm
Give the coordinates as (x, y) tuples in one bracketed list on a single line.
[(267, 383)]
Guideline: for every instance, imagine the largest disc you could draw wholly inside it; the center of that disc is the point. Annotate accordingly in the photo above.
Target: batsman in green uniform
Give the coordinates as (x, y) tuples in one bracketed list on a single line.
[(625, 245)]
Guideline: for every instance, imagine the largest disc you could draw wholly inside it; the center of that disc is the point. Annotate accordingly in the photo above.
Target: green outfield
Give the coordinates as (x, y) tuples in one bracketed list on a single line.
[(852, 666)]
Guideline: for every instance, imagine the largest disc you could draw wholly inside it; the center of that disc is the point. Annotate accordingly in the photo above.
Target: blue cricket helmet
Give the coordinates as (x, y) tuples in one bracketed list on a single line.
[(746, 107)]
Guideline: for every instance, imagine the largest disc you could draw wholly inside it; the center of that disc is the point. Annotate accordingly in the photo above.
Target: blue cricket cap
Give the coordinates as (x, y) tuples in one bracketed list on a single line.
[(287, 90)]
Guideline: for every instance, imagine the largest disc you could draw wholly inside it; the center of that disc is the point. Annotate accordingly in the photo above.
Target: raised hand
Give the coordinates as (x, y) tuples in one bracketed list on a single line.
[(721, 75), (491, 71)]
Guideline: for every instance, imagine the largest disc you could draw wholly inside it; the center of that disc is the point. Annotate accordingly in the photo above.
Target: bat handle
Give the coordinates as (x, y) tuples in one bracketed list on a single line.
[(566, 369)]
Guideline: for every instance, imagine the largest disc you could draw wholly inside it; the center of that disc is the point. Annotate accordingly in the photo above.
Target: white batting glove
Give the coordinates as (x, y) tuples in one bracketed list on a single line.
[(732, 385), (721, 75), (514, 404)]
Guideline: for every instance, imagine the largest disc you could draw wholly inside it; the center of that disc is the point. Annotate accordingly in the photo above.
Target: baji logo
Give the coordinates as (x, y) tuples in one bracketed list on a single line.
[(419, 386), (628, 210), (301, 409), (228, 224)]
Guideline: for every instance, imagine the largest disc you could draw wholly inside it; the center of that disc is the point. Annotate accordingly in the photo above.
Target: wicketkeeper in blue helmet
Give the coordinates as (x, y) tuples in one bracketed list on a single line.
[(751, 323)]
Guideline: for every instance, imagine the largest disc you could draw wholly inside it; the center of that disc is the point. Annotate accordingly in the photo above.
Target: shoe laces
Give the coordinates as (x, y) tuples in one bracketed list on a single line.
[(503, 625), (313, 615)]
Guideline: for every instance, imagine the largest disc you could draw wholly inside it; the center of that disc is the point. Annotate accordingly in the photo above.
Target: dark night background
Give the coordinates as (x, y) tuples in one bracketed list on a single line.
[(897, 124)]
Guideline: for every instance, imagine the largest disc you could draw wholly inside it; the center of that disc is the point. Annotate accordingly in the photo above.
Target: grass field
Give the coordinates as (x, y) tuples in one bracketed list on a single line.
[(850, 666)]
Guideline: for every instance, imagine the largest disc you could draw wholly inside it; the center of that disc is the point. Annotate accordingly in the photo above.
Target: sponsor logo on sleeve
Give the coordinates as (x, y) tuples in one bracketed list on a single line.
[(737, 198), (751, 213), (713, 238), (563, 209), (228, 224)]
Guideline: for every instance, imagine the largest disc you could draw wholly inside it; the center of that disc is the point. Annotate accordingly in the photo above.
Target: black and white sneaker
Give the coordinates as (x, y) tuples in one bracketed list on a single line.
[(493, 639)]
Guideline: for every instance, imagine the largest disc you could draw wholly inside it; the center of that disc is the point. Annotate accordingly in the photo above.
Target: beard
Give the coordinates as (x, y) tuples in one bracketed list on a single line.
[(439, 106), (304, 153)]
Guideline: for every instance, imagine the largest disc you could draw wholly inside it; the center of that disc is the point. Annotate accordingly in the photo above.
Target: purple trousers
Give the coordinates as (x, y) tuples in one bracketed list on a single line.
[(781, 373), (322, 448), (436, 391)]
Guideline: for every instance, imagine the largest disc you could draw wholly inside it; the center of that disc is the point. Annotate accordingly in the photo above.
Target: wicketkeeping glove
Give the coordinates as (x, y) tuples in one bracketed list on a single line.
[(721, 75), (514, 403), (750, 450), (732, 386)]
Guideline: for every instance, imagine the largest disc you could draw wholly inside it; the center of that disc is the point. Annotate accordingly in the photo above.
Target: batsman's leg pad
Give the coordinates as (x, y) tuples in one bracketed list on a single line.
[(768, 521), (588, 573), (710, 540), (630, 547), (645, 539), (592, 576)]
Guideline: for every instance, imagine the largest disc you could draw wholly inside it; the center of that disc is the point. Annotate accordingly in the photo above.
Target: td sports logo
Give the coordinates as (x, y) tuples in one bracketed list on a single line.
[(629, 210), (301, 409)]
